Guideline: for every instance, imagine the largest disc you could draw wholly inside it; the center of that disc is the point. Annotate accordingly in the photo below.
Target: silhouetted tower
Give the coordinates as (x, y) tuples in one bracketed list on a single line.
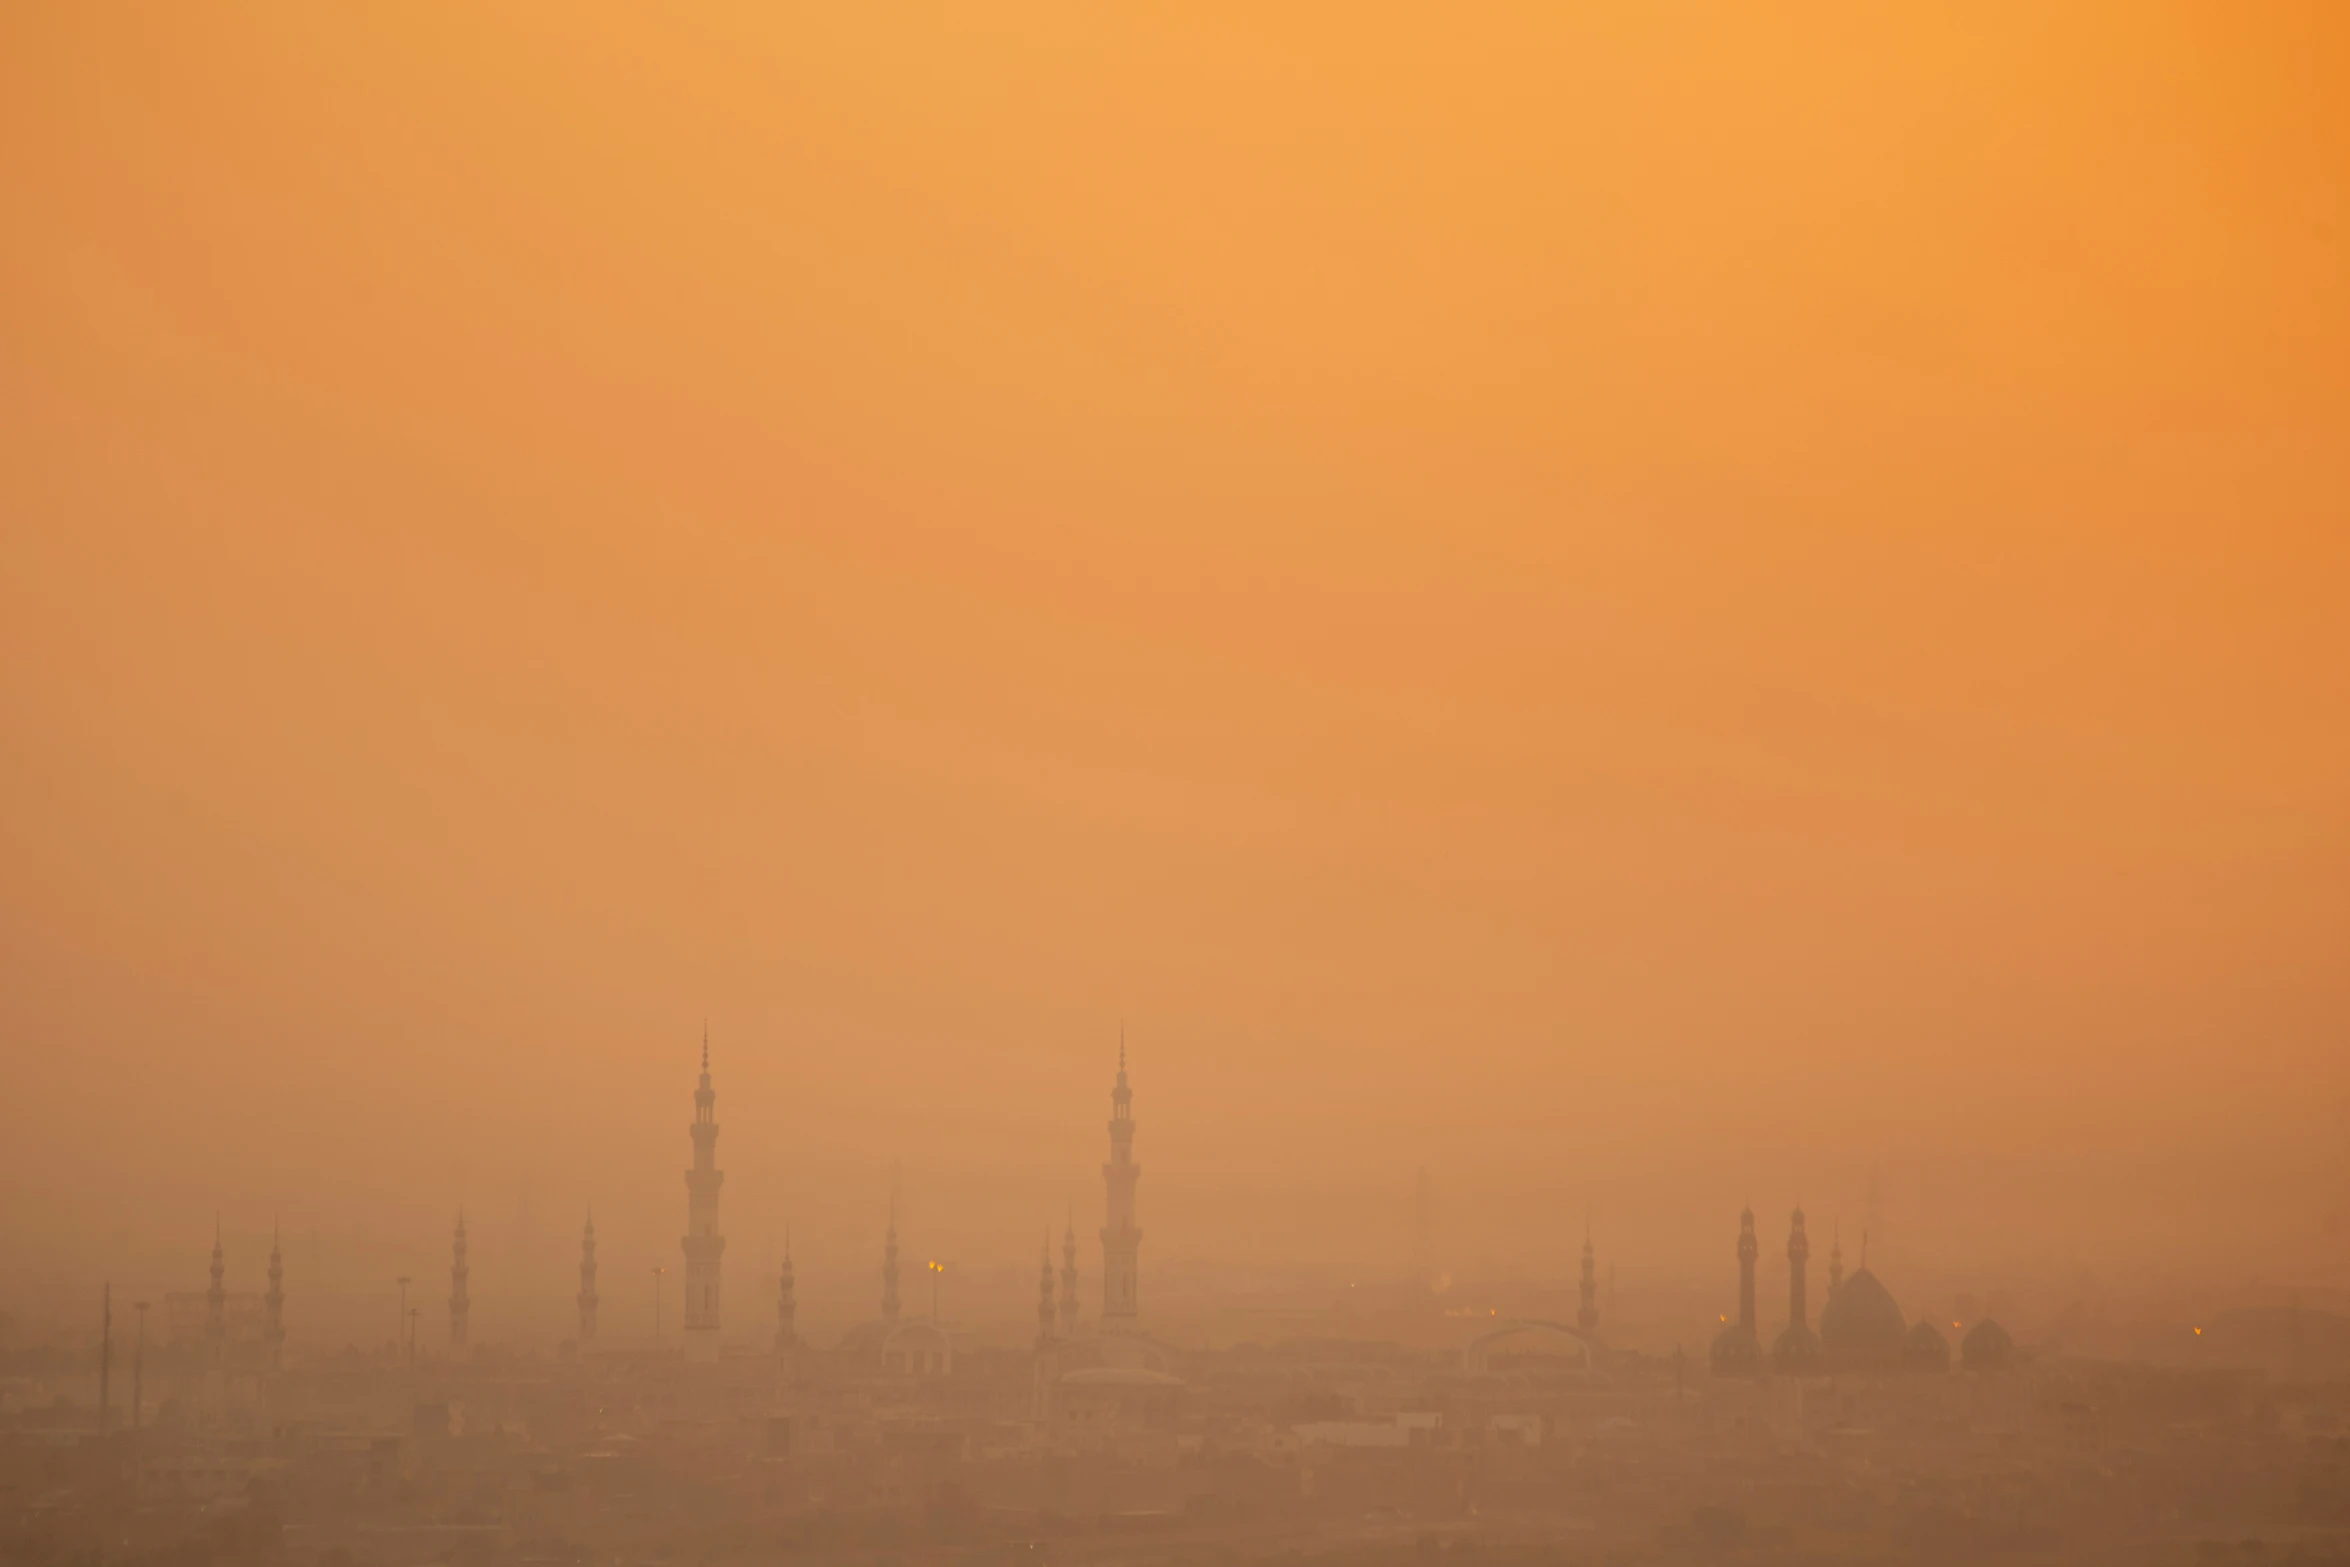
[(106, 1355), (1587, 1317), (1748, 1250), (1423, 1231), (703, 1244), (1798, 1257), (460, 1299), (1121, 1240), (273, 1304), (1836, 1261), (1069, 1277), (589, 1300), (787, 1306), (889, 1259), (216, 1306), (1044, 1294)]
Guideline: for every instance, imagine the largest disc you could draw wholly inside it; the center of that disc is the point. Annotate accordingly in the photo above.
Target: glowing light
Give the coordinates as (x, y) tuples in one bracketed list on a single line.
[(2198, 1332)]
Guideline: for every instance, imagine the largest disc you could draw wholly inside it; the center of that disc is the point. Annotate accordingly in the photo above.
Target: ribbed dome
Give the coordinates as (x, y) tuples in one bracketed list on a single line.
[(1861, 1315), (1926, 1349), (1986, 1347), (1736, 1353)]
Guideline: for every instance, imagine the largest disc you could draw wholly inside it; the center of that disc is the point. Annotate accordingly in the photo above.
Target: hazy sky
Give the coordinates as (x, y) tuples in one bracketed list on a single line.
[(1640, 604)]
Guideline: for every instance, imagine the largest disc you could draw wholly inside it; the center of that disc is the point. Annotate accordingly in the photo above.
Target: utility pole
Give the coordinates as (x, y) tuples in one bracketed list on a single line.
[(105, 1354), (139, 1366)]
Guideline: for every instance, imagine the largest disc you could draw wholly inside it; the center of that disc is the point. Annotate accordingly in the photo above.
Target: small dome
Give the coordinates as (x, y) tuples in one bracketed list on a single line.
[(1925, 1349), (1986, 1347), (1861, 1315), (1736, 1353), (1797, 1351)]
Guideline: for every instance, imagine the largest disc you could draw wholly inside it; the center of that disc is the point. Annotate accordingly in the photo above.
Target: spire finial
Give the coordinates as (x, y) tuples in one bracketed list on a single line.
[(705, 1044)]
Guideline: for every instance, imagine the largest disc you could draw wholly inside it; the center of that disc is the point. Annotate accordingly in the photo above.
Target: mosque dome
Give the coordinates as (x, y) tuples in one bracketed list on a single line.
[(1736, 1353), (1925, 1349), (1797, 1351), (1861, 1316), (1986, 1347)]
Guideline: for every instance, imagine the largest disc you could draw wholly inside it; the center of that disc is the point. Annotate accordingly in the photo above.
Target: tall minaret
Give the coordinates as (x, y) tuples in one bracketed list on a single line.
[(216, 1306), (273, 1304), (787, 1306), (1121, 1241), (460, 1300), (1798, 1254), (1044, 1294), (1836, 1261), (703, 1243), (889, 1259), (1587, 1318), (1069, 1277), (589, 1300), (1748, 1249)]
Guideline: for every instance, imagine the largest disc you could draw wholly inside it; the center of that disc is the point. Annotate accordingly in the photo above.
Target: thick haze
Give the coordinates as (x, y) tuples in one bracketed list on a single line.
[(1642, 606)]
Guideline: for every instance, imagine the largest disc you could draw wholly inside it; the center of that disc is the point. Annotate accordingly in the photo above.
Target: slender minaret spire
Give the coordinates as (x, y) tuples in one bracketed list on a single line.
[(460, 1299), (1836, 1260), (1748, 1250), (787, 1306), (1423, 1231), (1587, 1316), (273, 1304), (1798, 1254), (1121, 1240), (216, 1305), (589, 1300), (1069, 1276), (106, 1355), (889, 1258), (1044, 1294), (703, 1244)]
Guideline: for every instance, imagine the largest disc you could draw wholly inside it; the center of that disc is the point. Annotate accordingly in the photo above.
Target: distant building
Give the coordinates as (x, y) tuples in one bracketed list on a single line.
[(1121, 1238), (703, 1245)]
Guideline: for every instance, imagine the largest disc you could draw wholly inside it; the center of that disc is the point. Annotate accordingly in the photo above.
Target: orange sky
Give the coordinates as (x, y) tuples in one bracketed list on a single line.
[(1640, 604)]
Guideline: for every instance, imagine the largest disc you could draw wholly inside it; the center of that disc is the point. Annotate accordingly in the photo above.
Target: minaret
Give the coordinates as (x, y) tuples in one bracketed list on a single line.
[(1069, 1277), (589, 1300), (1121, 1241), (889, 1259), (703, 1244), (460, 1300), (1748, 1250), (787, 1306), (1587, 1317), (273, 1326), (1798, 1254), (216, 1306), (1423, 1232), (1836, 1262), (1044, 1295)]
